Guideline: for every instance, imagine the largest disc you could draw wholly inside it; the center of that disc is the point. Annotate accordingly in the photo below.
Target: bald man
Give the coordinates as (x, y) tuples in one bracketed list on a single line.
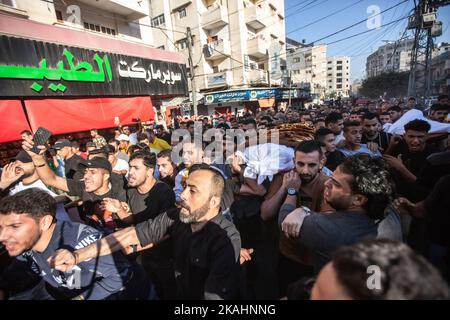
[(206, 246)]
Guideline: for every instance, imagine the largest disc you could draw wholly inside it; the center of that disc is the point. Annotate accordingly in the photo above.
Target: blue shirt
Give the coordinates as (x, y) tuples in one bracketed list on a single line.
[(362, 150)]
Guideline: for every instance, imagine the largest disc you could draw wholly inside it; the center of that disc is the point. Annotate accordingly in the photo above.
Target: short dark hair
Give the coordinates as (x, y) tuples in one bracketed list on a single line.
[(28, 132), (371, 116), (113, 140), (438, 106), (34, 202), (385, 113), (75, 144), (249, 121), (148, 158), (142, 136), (102, 152), (310, 146), (159, 126), (333, 117), (442, 97), (348, 124), (190, 123), (218, 181), (405, 275), (418, 125), (322, 132), (317, 120), (412, 98), (395, 108), (372, 179), (95, 130), (165, 154)]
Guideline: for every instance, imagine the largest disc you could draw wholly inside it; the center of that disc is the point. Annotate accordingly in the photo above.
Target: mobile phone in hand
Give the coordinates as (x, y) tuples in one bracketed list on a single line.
[(40, 138)]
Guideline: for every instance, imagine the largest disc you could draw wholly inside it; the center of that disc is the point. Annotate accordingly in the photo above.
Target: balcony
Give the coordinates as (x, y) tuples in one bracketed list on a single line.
[(220, 49), (130, 9), (254, 17), (216, 17), (257, 47), (257, 77), (220, 79)]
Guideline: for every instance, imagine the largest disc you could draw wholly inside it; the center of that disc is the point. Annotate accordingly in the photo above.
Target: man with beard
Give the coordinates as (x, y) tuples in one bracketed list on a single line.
[(305, 185), (353, 132), (28, 228), (359, 190), (191, 155), (146, 199), (167, 169), (373, 135), (63, 149), (95, 186), (335, 123), (206, 245)]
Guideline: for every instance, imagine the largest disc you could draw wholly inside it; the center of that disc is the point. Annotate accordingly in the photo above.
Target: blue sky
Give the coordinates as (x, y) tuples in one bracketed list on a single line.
[(300, 13)]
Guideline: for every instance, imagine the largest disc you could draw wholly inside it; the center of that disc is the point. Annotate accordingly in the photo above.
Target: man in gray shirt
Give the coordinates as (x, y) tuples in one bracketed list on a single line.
[(359, 190)]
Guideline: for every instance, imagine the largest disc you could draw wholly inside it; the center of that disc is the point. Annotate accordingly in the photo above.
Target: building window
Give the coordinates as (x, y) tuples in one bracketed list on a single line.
[(330, 68), (339, 68), (338, 80), (161, 48), (296, 60), (59, 16), (182, 13), (159, 20), (339, 62), (330, 87), (99, 28), (9, 3), (182, 44), (339, 86), (338, 74)]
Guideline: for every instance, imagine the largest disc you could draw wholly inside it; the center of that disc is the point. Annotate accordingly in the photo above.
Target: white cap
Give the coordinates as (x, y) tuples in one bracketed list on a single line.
[(123, 137)]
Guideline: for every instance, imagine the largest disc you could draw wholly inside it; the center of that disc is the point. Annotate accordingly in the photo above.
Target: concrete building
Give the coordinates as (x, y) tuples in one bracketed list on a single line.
[(308, 66), (235, 43), (338, 76), (440, 71), (124, 20), (394, 56)]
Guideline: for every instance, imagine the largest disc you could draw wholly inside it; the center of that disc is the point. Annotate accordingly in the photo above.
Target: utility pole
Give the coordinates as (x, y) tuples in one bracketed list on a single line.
[(290, 86), (426, 26), (192, 69)]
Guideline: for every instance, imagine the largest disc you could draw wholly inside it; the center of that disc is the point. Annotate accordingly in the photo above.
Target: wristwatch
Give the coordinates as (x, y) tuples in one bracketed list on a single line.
[(292, 191)]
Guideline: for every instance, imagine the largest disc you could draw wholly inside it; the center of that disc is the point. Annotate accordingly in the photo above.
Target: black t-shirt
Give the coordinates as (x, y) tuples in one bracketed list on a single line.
[(334, 159), (147, 206), (206, 262), (91, 201), (414, 162), (436, 166), (382, 140), (437, 206), (71, 167)]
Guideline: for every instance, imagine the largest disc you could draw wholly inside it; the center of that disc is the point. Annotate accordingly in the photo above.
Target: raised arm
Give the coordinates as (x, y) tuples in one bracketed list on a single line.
[(45, 173)]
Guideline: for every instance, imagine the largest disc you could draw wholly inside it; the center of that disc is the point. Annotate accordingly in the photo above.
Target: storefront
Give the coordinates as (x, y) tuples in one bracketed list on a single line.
[(70, 81), (252, 99)]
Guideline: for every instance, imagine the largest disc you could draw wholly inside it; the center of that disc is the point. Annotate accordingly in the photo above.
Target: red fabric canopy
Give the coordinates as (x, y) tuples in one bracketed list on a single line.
[(74, 115), (12, 120)]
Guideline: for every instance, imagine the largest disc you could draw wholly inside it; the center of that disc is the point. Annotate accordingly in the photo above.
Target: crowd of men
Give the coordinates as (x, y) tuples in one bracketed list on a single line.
[(123, 219)]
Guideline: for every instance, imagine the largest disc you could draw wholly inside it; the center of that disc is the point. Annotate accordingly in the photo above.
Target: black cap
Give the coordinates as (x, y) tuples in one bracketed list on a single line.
[(23, 157), (61, 143), (97, 162)]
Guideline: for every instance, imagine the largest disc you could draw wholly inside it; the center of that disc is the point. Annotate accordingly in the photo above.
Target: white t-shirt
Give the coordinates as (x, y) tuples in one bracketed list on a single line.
[(121, 165), (61, 213)]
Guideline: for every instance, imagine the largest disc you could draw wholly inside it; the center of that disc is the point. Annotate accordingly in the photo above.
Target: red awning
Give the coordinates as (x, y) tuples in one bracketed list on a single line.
[(74, 115), (12, 120)]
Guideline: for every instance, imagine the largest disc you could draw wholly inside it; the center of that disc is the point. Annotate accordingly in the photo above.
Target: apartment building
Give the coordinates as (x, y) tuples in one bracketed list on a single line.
[(93, 62), (308, 66), (394, 56), (338, 76), (236, 43)]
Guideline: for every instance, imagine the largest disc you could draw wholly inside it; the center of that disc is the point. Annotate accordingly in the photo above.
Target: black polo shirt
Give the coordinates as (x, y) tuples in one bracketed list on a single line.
[(206, 262)]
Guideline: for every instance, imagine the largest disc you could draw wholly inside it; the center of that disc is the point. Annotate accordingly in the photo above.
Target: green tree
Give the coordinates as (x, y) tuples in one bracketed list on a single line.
[(394, 84)]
